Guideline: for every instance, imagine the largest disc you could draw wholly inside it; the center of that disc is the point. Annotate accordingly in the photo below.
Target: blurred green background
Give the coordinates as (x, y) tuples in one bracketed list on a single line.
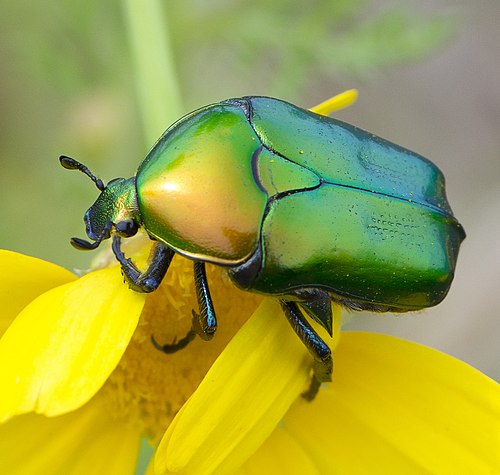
[(427, 71)]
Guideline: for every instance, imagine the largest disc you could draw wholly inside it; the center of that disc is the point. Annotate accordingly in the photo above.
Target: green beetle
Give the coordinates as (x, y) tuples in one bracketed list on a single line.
[(295, 205)]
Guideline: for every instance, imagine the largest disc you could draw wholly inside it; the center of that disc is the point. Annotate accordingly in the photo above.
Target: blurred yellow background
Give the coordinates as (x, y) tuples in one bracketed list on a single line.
[(428, 75)]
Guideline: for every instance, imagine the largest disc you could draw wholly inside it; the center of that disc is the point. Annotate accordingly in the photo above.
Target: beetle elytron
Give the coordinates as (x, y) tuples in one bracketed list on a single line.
[(295, 205)]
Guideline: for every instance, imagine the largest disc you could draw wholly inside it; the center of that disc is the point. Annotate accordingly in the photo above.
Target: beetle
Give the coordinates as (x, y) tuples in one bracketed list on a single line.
[(294, 205)]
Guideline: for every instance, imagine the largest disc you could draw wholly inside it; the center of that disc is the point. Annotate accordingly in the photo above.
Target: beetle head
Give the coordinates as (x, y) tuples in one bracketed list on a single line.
[(116, 207)]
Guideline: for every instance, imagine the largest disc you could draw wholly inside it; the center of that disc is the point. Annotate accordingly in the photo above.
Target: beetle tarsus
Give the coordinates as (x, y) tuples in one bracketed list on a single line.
[(201, 328), (322, 373), (204, 322), (148, 281), (312, 390), (323, 363), (176, 345)]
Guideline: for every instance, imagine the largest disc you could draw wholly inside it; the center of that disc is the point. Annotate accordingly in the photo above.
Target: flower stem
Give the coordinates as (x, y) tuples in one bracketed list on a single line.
[(157, 84)]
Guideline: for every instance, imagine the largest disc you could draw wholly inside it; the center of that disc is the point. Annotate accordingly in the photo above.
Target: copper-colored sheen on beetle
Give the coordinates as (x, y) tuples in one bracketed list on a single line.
[(295, 205), (215, 206)]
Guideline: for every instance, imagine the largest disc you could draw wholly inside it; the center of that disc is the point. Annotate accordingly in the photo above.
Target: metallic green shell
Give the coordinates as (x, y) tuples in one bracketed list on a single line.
[(289, 199), (359, 245), (377, 229), (346, 155)]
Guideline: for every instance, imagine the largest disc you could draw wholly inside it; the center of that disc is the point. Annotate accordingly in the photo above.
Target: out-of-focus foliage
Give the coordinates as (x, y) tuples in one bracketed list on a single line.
[(68, 45), (67, 86), (281, 45)]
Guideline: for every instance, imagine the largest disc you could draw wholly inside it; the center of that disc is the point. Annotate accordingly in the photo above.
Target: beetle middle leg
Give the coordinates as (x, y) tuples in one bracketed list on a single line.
[(176, 345), (148, 281), (205, 322), (323, 363)]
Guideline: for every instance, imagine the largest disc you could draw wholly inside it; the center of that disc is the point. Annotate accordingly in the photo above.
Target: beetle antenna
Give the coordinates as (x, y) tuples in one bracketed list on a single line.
[(72, 164), (83, 245)]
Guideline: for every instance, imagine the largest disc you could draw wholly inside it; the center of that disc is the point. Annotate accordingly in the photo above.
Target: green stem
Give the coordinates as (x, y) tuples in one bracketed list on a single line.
[(158, 88)]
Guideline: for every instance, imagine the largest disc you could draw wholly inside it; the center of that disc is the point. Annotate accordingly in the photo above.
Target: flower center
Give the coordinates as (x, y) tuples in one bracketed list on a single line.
[(149, 386)]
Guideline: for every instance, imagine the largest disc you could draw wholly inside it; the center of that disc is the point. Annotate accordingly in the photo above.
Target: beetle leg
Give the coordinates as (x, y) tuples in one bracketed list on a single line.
[(176, 345), (318, 305), (205, 322), (323, 363), (148, 281)]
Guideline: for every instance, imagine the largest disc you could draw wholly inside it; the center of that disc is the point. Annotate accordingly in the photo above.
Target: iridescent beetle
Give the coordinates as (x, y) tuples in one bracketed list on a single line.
[(294, 205)]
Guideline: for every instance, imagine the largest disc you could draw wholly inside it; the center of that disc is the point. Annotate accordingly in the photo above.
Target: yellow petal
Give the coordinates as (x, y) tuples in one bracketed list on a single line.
[(396, 407), (84, 442), (240, 401), (335, 103), (22, 279), (62, 347), (280, 453)]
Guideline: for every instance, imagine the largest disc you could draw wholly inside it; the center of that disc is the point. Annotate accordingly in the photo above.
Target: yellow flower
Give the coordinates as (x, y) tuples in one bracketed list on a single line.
[(81, 383)]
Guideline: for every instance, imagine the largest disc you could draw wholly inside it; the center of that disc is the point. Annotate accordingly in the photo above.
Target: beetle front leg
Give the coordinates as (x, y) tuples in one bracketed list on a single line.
[(148, 281), (204, 323), (323, 363)]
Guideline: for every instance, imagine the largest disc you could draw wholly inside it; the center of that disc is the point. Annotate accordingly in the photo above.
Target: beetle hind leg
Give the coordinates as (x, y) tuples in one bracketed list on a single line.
[(323, 362)]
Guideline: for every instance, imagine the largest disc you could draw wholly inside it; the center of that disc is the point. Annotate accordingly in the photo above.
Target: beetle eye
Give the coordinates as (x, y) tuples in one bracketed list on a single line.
[(126, 228)]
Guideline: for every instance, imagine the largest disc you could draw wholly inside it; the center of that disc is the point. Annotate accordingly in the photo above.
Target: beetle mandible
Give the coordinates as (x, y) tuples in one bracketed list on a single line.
[(294, 205)]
